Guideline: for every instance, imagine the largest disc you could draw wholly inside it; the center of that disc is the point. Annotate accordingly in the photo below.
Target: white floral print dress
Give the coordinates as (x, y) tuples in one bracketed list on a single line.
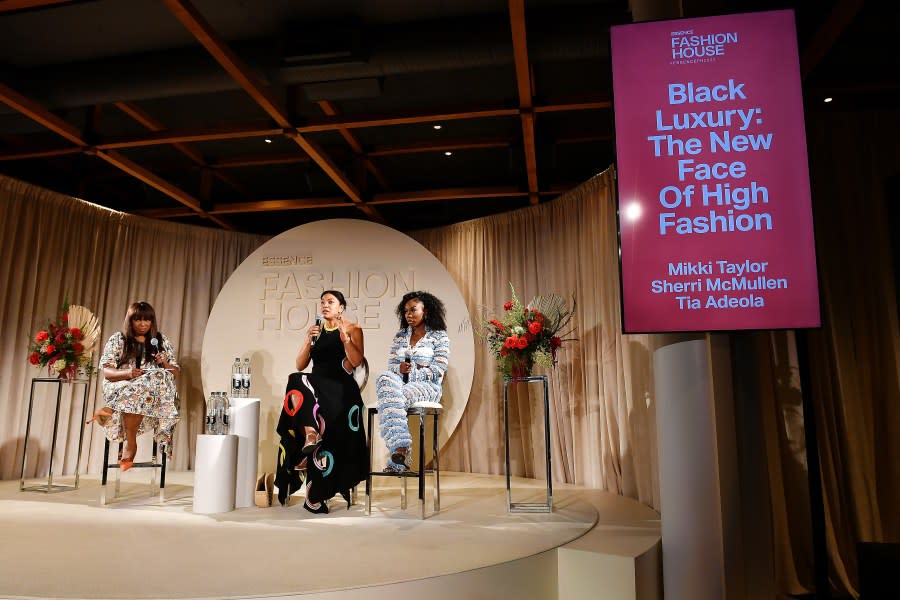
[(153, 395)]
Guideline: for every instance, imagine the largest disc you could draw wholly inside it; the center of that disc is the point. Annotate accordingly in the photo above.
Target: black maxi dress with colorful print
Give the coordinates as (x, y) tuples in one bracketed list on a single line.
[(328, 400)]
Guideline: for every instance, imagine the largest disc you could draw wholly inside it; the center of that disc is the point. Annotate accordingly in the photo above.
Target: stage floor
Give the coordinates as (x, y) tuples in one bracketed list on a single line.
[(66, 545)]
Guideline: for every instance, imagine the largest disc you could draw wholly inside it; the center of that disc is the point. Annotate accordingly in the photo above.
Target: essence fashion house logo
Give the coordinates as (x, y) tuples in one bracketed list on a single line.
[(689, 47)]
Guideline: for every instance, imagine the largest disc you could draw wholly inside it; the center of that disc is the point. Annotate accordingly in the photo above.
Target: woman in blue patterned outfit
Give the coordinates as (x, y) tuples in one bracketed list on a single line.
[(417, 363)]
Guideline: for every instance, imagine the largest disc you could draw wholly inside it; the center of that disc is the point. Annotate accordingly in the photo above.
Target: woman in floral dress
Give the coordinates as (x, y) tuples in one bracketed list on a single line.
[(139, 370)]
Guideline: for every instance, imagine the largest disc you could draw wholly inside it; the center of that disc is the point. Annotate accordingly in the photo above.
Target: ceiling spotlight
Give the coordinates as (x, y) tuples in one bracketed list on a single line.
[(268, 141), (828, 99), (448, 153), (438, 126)]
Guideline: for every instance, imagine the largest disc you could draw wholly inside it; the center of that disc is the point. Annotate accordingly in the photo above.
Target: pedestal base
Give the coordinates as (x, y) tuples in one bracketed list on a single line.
[(528, 507)]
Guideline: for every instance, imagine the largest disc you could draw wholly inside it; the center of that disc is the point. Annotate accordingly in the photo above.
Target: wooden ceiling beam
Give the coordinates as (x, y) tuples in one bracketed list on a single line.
[(430, 146), (329, 109), (192, 153), (14, 5), (38, 113), (41, 115), (194, 22), (285, 204), (524, 84), (199, 134), (266, 128), (259, 161), (152, 124), (185, 12), (462, 193), (357, 122), (26, 153)]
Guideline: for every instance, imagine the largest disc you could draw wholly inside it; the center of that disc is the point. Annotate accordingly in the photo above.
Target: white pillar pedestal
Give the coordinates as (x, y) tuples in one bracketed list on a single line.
[(215, 467), (244, 423)]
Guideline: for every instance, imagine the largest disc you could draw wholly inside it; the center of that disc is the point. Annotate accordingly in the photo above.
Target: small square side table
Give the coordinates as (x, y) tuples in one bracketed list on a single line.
[(528, 507), (50, 486)]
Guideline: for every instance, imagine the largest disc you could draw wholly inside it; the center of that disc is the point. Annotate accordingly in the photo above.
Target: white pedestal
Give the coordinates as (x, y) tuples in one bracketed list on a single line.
[(215, 467), (244, 423)]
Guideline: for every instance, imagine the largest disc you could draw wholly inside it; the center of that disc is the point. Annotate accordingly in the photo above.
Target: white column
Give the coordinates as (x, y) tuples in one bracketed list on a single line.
[(244, 423), (693, 555), (214, 473)]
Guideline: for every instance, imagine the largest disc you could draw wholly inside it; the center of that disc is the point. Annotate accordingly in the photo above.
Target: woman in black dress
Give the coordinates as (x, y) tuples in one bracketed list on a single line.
[(321, 423)]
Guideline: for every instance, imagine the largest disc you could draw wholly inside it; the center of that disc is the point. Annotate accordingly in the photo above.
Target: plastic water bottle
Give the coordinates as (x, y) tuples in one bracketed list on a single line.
[(210, 424), (245, 371), (224, 409), (237, 379)]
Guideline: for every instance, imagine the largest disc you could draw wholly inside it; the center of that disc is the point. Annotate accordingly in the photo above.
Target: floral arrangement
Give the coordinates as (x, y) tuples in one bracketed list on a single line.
[(66, 345), (525, 336)]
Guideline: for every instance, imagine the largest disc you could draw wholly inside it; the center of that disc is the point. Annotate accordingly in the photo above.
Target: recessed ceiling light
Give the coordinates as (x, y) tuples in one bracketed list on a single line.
[(438, 126), (448, 153), (828, 99), (268, 141)]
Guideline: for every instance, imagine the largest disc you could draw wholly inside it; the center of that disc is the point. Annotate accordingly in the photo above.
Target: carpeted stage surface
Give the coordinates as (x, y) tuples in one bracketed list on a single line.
[(66, 545)]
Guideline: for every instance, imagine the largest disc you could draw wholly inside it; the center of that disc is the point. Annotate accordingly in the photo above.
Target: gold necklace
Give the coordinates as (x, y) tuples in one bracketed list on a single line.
[(327, 328)]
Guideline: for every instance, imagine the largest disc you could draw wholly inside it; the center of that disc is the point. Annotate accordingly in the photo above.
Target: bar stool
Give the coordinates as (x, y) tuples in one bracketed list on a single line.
[(422, 411), (157, 461)]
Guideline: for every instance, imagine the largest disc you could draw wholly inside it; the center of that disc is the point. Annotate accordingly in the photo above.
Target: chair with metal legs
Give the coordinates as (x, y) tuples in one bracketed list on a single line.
[(422, 412), (157, 461)]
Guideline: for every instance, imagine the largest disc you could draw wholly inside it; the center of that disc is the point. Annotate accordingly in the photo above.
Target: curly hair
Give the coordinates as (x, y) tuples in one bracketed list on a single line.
[(435, 315)]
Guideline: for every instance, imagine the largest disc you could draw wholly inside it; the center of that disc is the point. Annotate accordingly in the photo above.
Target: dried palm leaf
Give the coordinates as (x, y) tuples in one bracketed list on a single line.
[(87, 322)]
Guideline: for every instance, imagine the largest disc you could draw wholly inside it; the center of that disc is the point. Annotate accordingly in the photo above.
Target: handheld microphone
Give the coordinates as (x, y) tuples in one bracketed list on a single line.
[(407, 360), (312, 342), (155, 343)]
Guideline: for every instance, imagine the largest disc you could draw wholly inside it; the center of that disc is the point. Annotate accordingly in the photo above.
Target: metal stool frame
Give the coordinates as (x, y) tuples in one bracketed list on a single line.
[(421, 413), (157, 461)]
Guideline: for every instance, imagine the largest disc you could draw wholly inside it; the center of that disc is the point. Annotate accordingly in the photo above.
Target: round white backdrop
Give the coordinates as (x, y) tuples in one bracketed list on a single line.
[(271, 299)]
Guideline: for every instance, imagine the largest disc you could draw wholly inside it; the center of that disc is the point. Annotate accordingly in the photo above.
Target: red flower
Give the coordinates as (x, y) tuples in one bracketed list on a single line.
[(77, 348), (539, 317), (34, 358), (504, 351), (76, 333), (508, 305), (61, 337), (42, 336), (535, 327), (50, 349), (64, 317), (511, 342), (555, 342), (497, 324), (522, 343)]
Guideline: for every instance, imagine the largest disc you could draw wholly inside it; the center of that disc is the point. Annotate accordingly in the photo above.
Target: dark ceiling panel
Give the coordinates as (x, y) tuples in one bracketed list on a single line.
[(366, 82)]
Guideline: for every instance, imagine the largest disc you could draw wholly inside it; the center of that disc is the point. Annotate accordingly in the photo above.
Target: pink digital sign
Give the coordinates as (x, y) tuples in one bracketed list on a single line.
[(715, 220)]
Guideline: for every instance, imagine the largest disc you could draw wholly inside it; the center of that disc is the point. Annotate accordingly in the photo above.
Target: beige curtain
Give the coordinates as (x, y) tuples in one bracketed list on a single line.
[(55, 247), (854, 361), (602, 415)]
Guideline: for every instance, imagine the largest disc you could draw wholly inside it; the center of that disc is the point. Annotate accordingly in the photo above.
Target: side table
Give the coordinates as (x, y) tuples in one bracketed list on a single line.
[(215, 473), (50, 486), (528, 507)]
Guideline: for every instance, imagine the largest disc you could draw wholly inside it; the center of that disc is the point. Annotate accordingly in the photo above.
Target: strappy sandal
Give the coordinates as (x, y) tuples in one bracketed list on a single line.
[(101, 417)]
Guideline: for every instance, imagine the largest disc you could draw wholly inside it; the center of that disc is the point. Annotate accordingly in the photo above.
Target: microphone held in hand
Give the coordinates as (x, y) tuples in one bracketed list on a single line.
[(318, 324), (155, 343), (407, 360)]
